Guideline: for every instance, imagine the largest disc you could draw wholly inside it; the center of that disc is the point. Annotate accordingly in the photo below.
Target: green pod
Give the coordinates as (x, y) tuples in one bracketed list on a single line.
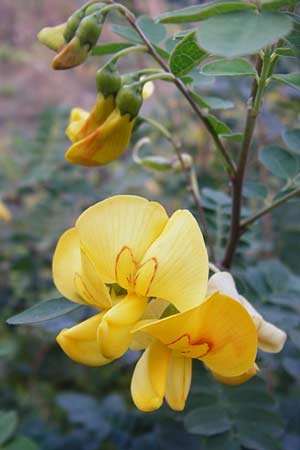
[(129, 99), (108, 80), (94, 8), (73, 24), (89, 29)]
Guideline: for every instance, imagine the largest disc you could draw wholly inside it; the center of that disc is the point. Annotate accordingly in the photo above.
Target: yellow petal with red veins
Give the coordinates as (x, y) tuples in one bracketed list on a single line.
[(239, 379), (80, 342), (149, 379), (175, 267), (221, 325), (114, 333), (179, 381), (105, 144), (116, 223)]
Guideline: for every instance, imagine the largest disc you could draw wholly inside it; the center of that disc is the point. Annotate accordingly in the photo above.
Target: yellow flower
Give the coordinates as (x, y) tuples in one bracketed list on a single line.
[(71, 55), (219, 332), (5, 214), (132, 242), (83, 123), (270, 338)]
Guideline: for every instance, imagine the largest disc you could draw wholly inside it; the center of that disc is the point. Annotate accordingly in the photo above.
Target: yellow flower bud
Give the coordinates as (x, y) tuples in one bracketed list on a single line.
[(53, 37), (72, 55)]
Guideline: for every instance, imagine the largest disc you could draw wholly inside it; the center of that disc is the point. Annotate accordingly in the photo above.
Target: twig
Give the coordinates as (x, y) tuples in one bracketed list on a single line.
[(246, 223)]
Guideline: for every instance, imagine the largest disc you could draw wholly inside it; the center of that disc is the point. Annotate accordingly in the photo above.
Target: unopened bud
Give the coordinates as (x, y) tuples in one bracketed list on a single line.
[(186, 161), (108, 80), (72, 24), (72, 55), (158, 163), (53, 37), (89, 29), (94, 8), (129, 100)]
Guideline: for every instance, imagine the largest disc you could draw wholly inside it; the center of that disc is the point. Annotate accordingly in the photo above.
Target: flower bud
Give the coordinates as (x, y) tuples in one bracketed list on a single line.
[(108, 80), (53, 37), (72, 55), (89, 29), (95, 7), (129, 100), (187, 160), (72, 24)]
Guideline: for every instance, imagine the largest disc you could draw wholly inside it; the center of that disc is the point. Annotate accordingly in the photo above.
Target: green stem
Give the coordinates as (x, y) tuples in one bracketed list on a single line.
[(126, 51), (246, 223), (191, 179)]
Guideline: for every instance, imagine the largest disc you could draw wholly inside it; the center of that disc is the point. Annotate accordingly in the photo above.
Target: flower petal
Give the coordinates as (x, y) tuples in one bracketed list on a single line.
[(179, 381), (149, 379), (239, 379), (116, 223), (66, 263), (75, 275), (105, 144), (104, 106), (77, 118), (181, 271), (114, 333), (221, 325), (270, 338), (80, 342)]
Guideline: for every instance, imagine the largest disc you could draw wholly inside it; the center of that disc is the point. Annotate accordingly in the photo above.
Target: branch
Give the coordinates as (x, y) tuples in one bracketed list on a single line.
[(246, 223)]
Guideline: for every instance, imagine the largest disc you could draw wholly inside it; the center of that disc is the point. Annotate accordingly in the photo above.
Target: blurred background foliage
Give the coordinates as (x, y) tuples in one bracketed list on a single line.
[(47, 401)]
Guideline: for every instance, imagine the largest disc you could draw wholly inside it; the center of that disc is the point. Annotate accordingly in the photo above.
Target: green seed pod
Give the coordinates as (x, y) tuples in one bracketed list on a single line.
[(108, 80), (129, 99), (94, 8), (89, 29), (72, 24)]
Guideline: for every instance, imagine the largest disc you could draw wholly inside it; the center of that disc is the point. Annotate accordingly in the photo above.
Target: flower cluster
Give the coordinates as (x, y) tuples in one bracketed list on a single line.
[(146, 274)]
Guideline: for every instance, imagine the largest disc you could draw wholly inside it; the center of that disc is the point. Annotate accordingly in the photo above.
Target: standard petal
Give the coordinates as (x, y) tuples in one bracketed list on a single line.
[(149, 378), (114, 333), (117, 223), (80, 342), (175, 267), (239, 379), (66, 263), (103, 145), (179, 381)]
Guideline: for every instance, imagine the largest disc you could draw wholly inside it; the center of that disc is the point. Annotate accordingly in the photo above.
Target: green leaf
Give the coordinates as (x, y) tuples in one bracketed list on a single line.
[(217, 102), (229, 68), (252, 189), (202, 12), (186, 55), (276, 4), (110, 48), (155, 32), (293, 41), (8, 425), (21, 443), (219, 126), (278, 161), (242, 33), (291, 79), (207, 421), (46, 310), (126, 33), (292, 139), (236, 137)]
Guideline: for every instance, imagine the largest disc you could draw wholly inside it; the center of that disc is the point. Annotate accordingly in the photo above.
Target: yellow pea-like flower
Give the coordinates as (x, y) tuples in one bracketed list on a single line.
[(53, 37), (132, 242), (219, 332), (270, 338), (71, 55), (5, 214)]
